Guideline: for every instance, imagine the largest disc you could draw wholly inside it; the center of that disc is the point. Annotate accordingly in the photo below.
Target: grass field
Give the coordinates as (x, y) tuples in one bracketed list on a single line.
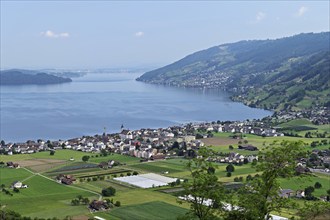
[(67, 155), (115, 157), (300, 183), (160, 167), (139, 196), (148, 211), (43, 197)]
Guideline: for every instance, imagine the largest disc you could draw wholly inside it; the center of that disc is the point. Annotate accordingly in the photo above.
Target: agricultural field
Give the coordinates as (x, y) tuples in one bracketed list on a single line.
[(166, 167), (38, 171), (151, 210), (116, 157), (261, 142), (34, 201), (300, 183)]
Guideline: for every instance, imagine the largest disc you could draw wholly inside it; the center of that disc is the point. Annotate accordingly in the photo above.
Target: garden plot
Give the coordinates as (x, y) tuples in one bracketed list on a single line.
[(147, 180)]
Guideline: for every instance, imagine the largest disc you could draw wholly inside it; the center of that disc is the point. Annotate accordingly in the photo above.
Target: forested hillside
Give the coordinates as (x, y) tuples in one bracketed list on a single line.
[(287, 73)]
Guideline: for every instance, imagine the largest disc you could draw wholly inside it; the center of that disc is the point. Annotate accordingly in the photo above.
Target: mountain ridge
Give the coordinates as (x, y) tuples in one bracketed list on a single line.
[(29, 77), (245, 67)]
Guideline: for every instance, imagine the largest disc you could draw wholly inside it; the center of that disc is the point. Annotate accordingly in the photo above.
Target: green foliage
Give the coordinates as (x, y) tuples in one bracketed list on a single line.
[(230, 168), (317, 185), (203, 186), (315, 210), (260, 197), (110, 191), (85, 158)]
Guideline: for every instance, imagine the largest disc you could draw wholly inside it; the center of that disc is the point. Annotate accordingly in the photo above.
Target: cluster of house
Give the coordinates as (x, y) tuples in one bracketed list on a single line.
[(300, 194), (65, 179), (317, 115), (145, 143), (236, 158), (98, 205)]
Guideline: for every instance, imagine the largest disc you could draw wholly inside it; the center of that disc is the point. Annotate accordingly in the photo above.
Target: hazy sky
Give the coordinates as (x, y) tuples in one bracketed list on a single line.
[(94, 34)]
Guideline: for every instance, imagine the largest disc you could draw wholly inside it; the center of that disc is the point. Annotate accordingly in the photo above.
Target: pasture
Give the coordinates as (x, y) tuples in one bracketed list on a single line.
[(148, 211), (300, 183), (43, 197)]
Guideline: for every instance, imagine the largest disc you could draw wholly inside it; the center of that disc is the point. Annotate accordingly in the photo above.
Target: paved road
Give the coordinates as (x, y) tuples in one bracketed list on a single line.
[(319, 171)]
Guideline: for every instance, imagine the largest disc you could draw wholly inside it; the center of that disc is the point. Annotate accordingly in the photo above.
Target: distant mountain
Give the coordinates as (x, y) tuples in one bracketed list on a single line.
[(26, 77), (291, 72)]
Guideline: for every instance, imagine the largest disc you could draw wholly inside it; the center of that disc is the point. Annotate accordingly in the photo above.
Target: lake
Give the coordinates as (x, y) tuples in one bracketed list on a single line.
[(104, 101)]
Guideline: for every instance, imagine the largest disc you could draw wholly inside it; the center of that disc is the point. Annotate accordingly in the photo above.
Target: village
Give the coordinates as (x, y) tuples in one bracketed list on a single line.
[(144, 143)]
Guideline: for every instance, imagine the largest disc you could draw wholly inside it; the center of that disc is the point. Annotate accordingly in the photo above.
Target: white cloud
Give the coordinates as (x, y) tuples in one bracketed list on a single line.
[(302, 10), (260, 16), (139, 34), (51, 34)]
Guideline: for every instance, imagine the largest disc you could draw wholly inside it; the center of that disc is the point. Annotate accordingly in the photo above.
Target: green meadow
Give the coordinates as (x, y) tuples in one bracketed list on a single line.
[(43, 197), (151, 210)]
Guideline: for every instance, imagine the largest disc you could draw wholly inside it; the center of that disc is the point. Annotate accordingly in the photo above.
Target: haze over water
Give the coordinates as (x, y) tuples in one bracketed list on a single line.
[(100, 100)]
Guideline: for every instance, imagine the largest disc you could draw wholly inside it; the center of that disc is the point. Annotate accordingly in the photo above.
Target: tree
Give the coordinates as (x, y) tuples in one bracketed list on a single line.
[(314, 210), (317, 185), (110, 191), (104, 152), (52, 153), (231, 147), (230, 168), (260, 197), (85, 158), (203, 186), (85, 201), (228, 174), (135, 173), (75, 202), (308, 191), (117, 203), (211, 170)]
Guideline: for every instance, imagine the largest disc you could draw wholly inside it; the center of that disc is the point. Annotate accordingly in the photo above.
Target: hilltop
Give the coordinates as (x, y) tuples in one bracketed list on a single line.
[(25, 77), (290, 73)]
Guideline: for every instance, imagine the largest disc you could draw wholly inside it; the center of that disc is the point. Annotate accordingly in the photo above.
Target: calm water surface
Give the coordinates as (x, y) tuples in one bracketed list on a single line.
[(97, 101)]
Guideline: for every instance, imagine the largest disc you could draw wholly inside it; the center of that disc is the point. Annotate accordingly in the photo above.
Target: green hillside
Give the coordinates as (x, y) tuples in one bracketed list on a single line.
[(263, 73)]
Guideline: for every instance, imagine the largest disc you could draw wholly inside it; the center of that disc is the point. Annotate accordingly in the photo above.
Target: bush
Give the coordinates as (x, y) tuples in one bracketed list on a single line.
[(135, 173), (317, 185), (230, 168), (85, 158), (117, 203), (110, 191), (228, 174)]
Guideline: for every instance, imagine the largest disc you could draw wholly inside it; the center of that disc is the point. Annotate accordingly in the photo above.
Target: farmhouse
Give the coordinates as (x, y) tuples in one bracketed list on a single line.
[(18, 185), (65, 179), (286, 193), (249, 147), (96, 205), (12, 165)]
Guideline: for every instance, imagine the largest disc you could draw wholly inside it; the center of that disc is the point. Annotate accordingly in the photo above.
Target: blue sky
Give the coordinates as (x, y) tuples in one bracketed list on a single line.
[(111, 34)]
